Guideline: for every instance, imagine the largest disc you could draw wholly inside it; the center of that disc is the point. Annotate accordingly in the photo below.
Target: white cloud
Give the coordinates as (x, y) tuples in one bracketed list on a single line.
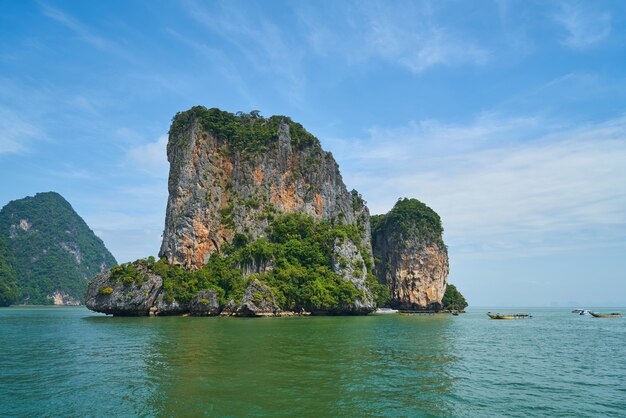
[(501, 186), (584, 26), (150, 158), (413, 39), (129, 218), (408, 35)]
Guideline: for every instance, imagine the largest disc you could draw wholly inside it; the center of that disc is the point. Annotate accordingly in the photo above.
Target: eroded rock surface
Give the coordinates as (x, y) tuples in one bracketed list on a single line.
[(148, 297), (205, 304), (349, 264), (218, 188), (410, 256), (258, 300), (119, 298)]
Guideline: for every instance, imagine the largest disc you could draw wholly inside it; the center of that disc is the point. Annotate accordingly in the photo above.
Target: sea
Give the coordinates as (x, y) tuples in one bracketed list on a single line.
[(68, 361)]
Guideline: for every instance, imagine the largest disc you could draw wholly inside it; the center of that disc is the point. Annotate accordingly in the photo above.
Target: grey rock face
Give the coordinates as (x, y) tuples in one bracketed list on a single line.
[(258, 300), (348, 263), (230, 309), (205, 304), (216, 191), (110, 297), (147, 298), (162, 307)]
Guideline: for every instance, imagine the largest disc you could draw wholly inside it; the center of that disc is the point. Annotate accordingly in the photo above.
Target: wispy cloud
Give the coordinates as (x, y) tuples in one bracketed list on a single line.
[(84, 32), (16, 132), (219, 61), (584, 25), (151, 158), (131, 224), (502, 186), (263, 44), (413, 38), (75, 26), (409, 35)]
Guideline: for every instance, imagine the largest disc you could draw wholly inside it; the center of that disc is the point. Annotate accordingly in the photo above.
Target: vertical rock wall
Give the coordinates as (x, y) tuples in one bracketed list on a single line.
[(217, 189), (410, 256)]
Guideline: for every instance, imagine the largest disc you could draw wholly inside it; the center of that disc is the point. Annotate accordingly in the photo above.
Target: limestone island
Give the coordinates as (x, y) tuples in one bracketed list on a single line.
[(260, 223)]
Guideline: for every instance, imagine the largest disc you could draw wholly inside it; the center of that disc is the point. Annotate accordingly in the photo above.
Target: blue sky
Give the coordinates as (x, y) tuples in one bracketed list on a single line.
[(506, 117)]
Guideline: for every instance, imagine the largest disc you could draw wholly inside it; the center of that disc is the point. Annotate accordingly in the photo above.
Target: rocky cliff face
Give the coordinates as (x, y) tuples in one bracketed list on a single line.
[(258, 222), (228, 173), (410, 256)]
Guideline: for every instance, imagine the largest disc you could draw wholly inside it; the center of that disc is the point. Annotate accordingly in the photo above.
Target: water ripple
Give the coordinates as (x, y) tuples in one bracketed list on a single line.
[(70, 362)]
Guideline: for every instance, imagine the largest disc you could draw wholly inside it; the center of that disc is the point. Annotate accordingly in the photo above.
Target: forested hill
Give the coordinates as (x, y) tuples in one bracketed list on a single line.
[(49, 251)]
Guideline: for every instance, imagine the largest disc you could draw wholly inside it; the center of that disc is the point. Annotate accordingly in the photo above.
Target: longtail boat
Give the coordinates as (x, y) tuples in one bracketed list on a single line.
[(512, 316), (606, 315)]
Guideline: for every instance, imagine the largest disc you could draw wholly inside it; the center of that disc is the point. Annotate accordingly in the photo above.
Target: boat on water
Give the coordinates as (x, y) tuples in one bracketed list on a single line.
[(386, 311), (582, 311), (508, 316), (606, 315)]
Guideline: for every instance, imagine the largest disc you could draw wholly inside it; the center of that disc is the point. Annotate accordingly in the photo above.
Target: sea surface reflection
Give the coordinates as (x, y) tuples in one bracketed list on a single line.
[(71, 362), (303, 366)]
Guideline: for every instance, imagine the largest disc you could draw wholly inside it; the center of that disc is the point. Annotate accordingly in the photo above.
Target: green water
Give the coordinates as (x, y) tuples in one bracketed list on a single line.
[(71, 362)]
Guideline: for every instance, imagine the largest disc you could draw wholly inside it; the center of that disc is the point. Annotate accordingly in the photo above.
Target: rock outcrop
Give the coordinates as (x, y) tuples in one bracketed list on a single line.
[(349, 264), (110, 296), (228, 173), (410, 256), (258, 300), (205, 304), (234, 179), (145, 295)]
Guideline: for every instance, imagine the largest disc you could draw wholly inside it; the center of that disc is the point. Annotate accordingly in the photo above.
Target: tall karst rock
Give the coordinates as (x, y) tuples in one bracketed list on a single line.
[(51, 249), (229, 172), (258, 222), (410, 256)]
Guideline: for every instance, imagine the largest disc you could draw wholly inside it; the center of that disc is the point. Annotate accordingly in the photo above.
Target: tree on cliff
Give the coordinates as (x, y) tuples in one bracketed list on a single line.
[(8, 285), (453, 299)]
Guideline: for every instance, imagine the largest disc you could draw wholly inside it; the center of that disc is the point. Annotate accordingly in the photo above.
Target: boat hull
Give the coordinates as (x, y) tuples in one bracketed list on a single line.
[(515, 316), (610, 315)]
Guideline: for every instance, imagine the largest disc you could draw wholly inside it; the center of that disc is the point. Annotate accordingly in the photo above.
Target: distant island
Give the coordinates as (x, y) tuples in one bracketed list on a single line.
[(260, 223), (47, 252)]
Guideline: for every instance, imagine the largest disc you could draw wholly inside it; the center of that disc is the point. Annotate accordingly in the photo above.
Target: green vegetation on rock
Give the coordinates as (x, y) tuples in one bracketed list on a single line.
[(408, 214), (129, 274), (453, 299), (52, 248), (245, 132), (8, 283), (299, 251)]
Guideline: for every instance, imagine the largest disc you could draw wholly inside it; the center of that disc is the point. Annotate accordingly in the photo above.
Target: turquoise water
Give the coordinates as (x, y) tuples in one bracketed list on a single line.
[(71, 362)]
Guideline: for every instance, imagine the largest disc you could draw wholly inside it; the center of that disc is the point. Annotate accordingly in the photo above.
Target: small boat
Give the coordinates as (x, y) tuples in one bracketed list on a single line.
[(606, 315), (510, 316), (386, 311), (417, 313), (582, 311), (455, 313)]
